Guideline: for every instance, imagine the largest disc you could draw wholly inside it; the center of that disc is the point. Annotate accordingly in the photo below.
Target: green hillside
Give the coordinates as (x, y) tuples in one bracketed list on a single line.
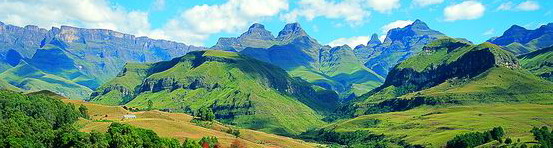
[(240, 91), (29, 79), (539, 62), (454, 72), (433, 126)]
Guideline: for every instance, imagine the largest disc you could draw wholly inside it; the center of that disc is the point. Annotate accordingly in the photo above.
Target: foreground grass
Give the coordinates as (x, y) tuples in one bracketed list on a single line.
[(179, 126), (434, 126)]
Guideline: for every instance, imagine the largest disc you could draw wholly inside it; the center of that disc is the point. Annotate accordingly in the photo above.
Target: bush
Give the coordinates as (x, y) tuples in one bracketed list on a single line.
[(476, 138), (234, 132)]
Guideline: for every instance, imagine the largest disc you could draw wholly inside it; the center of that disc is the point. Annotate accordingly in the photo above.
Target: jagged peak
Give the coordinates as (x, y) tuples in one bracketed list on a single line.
[(418, 24), (257, 25), (257, 31), (374, 40), (291, 31), (516, 28)]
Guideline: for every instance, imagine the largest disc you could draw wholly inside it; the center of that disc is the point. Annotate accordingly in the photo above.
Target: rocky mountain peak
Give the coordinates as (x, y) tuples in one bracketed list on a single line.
[(291, 31), (257, 31), (419, 25), (374, 40)]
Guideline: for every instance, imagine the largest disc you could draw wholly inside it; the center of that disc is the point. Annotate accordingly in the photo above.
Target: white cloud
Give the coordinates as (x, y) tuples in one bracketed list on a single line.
[(82, 13), (528, 6), (423, 3), (195, 25), (351, 42), (349, 10), (192, 26), (384, 6), (524, 6), (505, 6), (489, 32), (467, 10)]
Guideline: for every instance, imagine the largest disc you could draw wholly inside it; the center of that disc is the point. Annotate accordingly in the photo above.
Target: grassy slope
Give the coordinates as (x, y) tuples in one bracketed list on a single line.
[(498, 84), (435, 125), (178, 125), (539, 62), (30, 79), (233, 82)]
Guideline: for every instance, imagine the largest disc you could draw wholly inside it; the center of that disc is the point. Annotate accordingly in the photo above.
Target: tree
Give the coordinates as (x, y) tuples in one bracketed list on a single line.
[(189, 143), (205, 114), (84, 112), (210, 141), (150, 105), (234, 132), (508, 141)]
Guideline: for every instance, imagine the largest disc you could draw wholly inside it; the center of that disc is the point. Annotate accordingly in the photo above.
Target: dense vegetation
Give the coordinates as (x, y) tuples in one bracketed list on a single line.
[(42, 121), (476, 138), (543, 136)]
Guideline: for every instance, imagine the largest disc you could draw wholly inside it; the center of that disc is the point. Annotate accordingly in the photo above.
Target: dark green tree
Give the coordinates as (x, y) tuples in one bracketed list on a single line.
[(84, 112), (189, 143), (205, 114), (150, 105)]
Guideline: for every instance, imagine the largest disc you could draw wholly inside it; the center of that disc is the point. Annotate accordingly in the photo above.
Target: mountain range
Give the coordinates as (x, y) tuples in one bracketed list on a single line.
[(333, 68), (289, 84), (520, 40), (74, 61)]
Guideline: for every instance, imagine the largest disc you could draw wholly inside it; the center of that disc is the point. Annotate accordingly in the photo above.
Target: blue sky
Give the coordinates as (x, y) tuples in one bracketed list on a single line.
[(202, 22)]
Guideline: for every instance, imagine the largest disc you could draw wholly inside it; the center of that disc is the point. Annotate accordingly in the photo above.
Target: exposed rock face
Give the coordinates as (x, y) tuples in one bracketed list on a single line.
[(335, 69), (97, 53), (520, 40), (255, 37), (444, 60), (400, 44)]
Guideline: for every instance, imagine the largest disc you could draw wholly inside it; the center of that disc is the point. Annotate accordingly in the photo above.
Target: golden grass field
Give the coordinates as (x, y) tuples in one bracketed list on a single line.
[(179, 126)]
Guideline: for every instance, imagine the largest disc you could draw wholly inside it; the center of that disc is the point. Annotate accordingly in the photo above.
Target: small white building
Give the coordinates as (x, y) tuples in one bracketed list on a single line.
[(129, 116)]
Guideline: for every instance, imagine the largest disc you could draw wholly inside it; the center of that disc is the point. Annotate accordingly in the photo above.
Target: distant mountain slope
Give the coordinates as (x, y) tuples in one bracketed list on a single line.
[(87, 56), (239, 89), (295, 51), (520, 40), (539, 62), (454, 71), (400, 44)]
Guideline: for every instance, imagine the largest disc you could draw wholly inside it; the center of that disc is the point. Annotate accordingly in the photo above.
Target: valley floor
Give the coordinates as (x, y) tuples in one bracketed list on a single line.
[(179, 126)]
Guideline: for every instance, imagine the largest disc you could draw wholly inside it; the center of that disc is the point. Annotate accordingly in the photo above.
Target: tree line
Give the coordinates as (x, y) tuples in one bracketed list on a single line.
[(42, 121)]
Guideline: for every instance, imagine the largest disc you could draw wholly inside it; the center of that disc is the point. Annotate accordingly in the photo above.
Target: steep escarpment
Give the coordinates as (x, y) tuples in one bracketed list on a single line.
[(88, 57), (539, 62), (240, 90), (453, 71)]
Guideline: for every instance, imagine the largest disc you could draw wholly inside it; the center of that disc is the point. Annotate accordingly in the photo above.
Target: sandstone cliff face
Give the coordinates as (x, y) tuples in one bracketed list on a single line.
[(97, 53)]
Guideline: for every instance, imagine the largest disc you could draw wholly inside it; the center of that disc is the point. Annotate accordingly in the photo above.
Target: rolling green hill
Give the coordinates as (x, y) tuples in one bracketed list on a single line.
[(539, 62), (240, 90), (433, 126), (449, 71)]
